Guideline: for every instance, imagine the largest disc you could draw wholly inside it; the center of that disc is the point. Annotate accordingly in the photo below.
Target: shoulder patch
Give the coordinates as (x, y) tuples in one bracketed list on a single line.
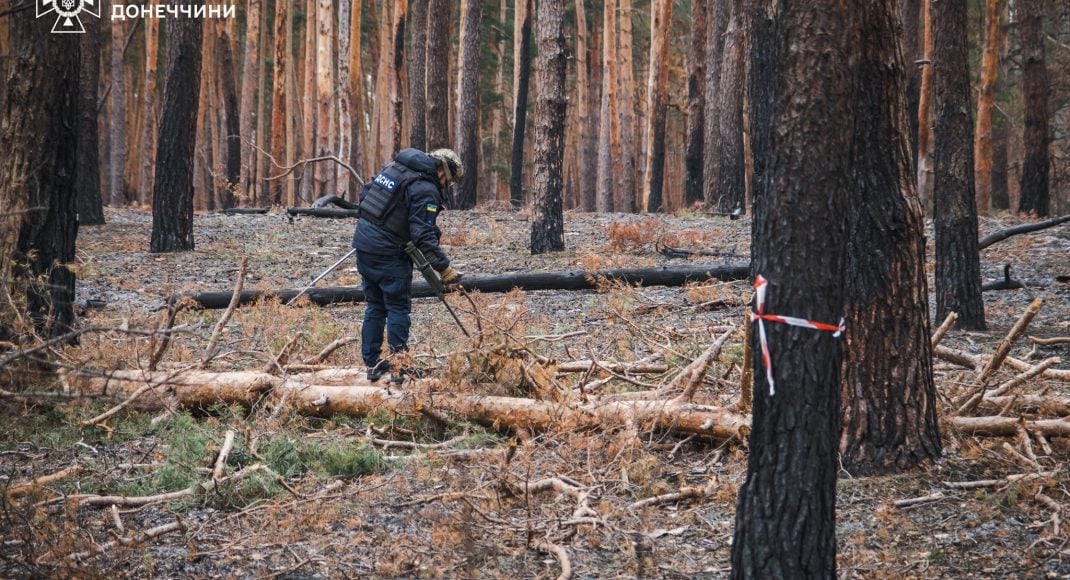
[(432, 208)]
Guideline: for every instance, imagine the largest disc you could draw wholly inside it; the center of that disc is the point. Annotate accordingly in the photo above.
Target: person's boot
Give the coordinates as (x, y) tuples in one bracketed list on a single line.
[(376, 372), (398, 376)]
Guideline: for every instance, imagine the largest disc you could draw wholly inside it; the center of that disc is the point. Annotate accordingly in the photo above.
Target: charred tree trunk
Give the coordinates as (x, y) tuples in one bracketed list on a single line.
[(172, 199), (657, 103), (585, 127), (279, 110), (149, 118), (1035, 180), (89, 202), (911, 15), (925, 110), (521, 76), (696, 103), (39, 222), (547, 223), (627, 162), (730, 180), (117, 135), (358, 138), (889, 397), (418, 22), (958, 268), (438, 74), (802, 122), (225, 60), (468, 143), (1001, 196)]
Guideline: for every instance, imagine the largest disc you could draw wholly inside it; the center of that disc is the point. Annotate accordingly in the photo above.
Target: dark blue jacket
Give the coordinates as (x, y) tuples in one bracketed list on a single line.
[(423, 200)]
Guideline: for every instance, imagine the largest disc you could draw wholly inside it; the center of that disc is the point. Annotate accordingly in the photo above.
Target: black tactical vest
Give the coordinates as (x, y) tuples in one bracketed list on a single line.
[(386, 203)]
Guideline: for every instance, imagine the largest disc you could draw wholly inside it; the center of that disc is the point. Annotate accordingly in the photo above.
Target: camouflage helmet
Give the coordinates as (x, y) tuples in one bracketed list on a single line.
[(450, 163)]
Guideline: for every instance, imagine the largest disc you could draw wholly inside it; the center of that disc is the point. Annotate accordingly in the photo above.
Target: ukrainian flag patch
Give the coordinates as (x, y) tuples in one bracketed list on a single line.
[(432, 208)]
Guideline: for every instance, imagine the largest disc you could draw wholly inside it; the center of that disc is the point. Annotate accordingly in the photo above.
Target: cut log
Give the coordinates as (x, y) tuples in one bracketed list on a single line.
[(568, 280), (1022, 229), (200, 389), (323, 212), (1008, 426)]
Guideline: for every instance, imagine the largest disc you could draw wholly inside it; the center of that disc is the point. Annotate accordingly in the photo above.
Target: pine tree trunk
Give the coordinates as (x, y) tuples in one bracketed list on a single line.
[(397, 81), (417, 73), (308, 101), (982, 145), (608, 146), (586, 134), (116, 177), (627, 161), (437, 74), (657, 102), (172, 199), (468, 142), (324, 96), (225, 64), (925, 110), (715, 46), (958, 268), (37, 174), (341, 175), (730, 181), (889, 397), (358, 137), (802, 122), (149, 119), (1037, 162), (89, 202), (250, 84), (1001, 197), (696, 104), (279, 103), (911, 15), (521, 76), (547, 223)]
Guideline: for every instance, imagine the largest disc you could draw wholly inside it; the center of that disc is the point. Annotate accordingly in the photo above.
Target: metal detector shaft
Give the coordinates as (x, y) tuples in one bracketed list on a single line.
[(421, 263), (320, 277)]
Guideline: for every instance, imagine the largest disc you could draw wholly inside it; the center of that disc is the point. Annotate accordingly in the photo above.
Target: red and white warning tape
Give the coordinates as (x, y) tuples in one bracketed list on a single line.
[(760, 287)]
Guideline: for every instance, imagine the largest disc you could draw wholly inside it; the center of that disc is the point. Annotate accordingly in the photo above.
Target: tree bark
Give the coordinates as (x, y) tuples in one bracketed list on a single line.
[(250, 85), (172, 199), (521, 76), (586, 134), (438, 74), (982, 145), (116, 177), (627, 162), (39, 222), (568, 280), (341, 175), (308, 99), (548, 223), (468, 108), (323, 172), (730, 180), (696, 103), (911, 15), (802, 120), (233, 137), (1035, 197), (358, 136), (609, 128), (89, 202), (715, 45), (958, 269), (418, 23), (657, 103), (889, 398), (279, 111), (149, 119), (1001, 195), (925, 109)]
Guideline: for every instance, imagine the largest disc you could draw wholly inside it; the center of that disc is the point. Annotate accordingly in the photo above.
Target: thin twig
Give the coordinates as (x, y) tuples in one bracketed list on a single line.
[(213, 343)]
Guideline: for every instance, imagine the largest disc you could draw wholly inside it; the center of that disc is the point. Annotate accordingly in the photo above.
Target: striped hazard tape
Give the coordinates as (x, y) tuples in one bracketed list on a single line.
[(760, 287)]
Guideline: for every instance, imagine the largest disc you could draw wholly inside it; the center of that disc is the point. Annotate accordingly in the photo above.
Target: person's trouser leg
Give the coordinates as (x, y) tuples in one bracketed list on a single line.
[(397, 297), (375, 313)]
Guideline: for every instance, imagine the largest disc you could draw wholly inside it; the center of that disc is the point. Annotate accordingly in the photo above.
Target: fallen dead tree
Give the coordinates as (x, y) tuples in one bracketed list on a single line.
[(568, 280), (202, 389), (323, 212), (1022, 229)]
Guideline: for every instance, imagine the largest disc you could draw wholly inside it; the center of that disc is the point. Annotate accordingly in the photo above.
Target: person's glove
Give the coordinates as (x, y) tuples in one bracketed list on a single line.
[(449, 276)]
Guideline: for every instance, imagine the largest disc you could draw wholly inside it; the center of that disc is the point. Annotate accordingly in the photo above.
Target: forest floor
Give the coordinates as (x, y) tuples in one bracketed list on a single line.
[(406, 496)]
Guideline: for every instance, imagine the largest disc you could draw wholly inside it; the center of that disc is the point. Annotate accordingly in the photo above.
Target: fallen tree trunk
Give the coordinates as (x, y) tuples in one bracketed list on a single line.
[(1022, 229), (1008, 426), (201, 389), (244, 210), (323, 212), (568, 280)]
